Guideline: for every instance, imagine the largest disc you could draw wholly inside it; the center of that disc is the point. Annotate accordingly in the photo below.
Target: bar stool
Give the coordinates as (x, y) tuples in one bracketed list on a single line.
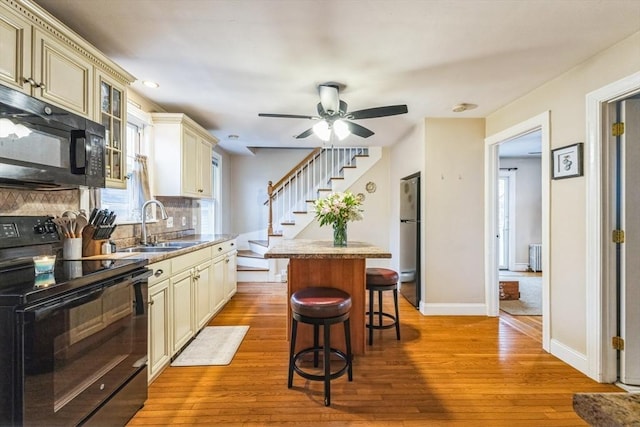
[(319, 306), (381, 280)]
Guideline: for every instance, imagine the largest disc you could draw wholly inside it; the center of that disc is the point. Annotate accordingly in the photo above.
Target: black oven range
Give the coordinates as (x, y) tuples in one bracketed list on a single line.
[(73, 343)]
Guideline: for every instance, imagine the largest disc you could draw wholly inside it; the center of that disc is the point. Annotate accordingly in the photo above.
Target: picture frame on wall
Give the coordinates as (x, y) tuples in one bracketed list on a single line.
[(566, 162)]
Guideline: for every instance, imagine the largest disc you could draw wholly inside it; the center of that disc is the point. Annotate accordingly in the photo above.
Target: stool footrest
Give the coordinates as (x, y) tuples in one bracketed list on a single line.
[(334, 352), (388, 316)]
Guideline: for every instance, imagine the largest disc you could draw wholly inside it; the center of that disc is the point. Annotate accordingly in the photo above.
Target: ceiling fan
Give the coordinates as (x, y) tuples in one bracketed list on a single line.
[(334, 117)]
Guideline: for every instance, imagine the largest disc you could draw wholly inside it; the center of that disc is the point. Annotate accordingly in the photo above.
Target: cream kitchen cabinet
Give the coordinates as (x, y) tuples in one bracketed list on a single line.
[(231, 276), (203, 284), (40, 65), (183, 154), (225, 271), (160, 319), (182, 307), (111, 113)]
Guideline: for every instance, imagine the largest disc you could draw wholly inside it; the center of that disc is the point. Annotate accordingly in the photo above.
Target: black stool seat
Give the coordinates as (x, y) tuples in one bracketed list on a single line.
[(381, 280), (321, 306)]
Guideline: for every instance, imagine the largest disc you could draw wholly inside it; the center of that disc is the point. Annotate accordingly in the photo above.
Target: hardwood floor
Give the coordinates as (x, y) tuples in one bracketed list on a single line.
[(446, 371)]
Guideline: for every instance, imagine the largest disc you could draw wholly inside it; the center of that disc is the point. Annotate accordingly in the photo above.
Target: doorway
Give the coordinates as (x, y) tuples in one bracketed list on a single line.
[(536, 125), (602, 294)]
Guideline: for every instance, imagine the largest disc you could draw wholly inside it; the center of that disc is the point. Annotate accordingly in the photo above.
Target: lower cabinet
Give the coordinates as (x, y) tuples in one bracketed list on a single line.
[(185, 292)]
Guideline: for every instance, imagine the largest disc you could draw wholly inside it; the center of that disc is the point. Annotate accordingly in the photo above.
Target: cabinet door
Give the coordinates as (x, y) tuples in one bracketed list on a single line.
[(182, 296), (159, 328), (190, 163), (217, 284), (231, 278), (111, 112), (205, 175), (62, 76), (202, 282), (15, 51)]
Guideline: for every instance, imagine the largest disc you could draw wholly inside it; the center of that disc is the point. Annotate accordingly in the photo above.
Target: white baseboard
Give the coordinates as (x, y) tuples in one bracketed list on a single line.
[(523, 266), (569, 356), (445, 309)]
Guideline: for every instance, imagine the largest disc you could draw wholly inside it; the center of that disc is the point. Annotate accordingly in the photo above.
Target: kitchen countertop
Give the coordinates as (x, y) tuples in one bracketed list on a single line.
[(207, 240), (324, 249), (608, 409)]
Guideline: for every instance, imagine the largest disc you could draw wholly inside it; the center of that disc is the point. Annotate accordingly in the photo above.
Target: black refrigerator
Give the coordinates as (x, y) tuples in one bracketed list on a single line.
[(410, 238)]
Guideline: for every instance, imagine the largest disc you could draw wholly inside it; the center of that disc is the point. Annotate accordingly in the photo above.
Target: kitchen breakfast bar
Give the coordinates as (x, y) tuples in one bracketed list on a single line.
[(319, 263)]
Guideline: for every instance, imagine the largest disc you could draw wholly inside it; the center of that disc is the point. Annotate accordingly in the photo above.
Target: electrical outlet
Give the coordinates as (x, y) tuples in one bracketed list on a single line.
[(184, 221), (170, 222)]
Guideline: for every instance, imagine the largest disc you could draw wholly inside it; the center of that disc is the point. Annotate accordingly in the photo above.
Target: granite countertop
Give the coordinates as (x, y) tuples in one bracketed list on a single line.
[(608, 409), (205, 240), (324, 249)]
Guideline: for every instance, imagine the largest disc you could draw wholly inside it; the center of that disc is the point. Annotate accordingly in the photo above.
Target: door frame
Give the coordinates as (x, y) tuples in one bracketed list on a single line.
[(600, 290), (491, 167)]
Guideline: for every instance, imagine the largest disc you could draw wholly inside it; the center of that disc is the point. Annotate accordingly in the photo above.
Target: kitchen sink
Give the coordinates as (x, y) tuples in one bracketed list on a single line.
[(176, 244)]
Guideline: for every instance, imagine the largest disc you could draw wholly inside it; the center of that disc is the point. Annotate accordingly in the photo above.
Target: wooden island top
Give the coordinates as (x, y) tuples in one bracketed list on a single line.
[(319, 263)]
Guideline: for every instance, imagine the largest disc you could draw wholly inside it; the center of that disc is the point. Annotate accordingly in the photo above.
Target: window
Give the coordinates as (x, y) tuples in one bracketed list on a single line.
[(210, 219), (126, 203)]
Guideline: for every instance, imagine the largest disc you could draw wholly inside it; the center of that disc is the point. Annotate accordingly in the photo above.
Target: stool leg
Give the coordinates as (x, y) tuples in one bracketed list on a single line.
[(395, 302), (347, 337), (380, 308), (327, 364), (370, 317), (294, 330), (316, 345)]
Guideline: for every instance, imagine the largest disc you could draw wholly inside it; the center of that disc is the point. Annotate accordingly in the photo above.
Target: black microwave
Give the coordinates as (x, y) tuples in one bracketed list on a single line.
[(46, 147)]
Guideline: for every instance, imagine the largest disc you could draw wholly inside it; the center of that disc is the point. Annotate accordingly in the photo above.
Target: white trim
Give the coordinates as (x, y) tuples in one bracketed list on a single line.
[(600, 306), (511, 256), (453, 309), (569, 356), (542, 122)]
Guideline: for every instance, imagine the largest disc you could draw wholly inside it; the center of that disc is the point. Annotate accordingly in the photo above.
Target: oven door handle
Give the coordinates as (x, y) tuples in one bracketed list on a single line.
[(68, 302)]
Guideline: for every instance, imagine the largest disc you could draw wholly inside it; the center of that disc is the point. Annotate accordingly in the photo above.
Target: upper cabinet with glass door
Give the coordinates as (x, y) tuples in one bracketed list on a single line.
[(112, 112)]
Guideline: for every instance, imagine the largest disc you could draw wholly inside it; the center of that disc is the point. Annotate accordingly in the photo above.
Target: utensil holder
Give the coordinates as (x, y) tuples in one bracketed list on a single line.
[(72, 248)]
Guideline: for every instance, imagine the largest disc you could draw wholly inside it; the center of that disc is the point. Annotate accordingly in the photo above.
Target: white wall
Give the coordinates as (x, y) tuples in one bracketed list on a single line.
[(564, 97), (249, 176), (528, 204), (373, 228)]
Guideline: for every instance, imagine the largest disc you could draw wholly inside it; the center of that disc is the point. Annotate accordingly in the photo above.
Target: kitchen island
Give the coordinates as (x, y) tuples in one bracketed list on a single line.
[(319, 263)]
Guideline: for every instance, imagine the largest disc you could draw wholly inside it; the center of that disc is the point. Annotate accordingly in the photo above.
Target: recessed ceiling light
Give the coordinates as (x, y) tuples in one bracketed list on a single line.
[(149, 83), (459, 108)]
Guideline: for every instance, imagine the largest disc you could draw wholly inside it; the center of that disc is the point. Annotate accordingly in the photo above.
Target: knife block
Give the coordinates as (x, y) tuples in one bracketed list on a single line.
[(90, 246)]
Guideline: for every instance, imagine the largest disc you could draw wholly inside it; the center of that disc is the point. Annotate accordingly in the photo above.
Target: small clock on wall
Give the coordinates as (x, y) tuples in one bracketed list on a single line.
[(370, 187)]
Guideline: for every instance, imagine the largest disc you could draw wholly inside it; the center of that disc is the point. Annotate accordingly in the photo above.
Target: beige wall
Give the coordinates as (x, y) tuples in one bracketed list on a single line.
[(454, 216), (564, 97)]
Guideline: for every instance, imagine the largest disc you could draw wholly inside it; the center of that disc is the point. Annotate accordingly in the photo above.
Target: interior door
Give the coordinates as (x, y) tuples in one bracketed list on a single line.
[(504, 218), (628, 217)]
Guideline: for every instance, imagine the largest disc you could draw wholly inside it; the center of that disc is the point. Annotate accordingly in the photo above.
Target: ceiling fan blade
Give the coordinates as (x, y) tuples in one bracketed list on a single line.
[(370, 113), (356, 129), (305, 134), (329, 99), (287, 116)]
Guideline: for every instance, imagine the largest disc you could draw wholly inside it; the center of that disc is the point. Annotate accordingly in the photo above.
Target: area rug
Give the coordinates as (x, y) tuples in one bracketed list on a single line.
[(215, 345), (530, 302)]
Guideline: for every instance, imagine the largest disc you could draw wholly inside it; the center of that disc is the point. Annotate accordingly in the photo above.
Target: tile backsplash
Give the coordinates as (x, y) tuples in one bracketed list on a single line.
[(182, 210)]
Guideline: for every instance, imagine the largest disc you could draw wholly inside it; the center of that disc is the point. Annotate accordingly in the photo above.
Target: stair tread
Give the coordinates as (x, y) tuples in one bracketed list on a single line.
[(248, 253), (264, 243)]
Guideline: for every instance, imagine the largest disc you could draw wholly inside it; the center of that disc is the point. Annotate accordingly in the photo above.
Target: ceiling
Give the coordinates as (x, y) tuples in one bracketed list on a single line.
[(224, 61)]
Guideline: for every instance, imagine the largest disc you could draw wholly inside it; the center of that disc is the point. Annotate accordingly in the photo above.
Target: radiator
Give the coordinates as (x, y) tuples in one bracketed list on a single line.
[(535, 257)]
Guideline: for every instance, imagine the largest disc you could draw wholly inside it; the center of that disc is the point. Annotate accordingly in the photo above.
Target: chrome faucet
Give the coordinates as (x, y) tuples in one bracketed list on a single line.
[(163, 214)]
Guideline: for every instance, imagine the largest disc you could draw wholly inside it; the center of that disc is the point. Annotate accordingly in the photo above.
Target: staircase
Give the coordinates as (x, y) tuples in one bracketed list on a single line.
[(291, 205)]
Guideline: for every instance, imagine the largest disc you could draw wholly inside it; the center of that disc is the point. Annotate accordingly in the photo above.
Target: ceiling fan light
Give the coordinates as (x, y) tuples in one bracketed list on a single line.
[(322, 130), (341, 129)]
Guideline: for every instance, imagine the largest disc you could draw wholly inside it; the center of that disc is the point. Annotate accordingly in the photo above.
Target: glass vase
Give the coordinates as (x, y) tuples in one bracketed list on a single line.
[(340, 234)]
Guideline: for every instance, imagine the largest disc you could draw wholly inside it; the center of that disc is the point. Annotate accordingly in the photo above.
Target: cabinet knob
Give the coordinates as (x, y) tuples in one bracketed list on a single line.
[(219, 249), (158, 272), (150, 302), (227, 261), (200, 190)]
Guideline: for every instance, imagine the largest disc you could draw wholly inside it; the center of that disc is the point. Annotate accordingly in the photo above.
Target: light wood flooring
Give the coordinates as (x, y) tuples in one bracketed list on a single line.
[(446, 371)]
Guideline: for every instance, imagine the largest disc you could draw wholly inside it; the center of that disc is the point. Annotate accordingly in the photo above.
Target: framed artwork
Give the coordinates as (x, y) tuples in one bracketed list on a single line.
[(566, 162)]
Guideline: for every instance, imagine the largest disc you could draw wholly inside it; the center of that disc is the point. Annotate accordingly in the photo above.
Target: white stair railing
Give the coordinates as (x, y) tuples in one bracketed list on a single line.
[(303, 184)]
